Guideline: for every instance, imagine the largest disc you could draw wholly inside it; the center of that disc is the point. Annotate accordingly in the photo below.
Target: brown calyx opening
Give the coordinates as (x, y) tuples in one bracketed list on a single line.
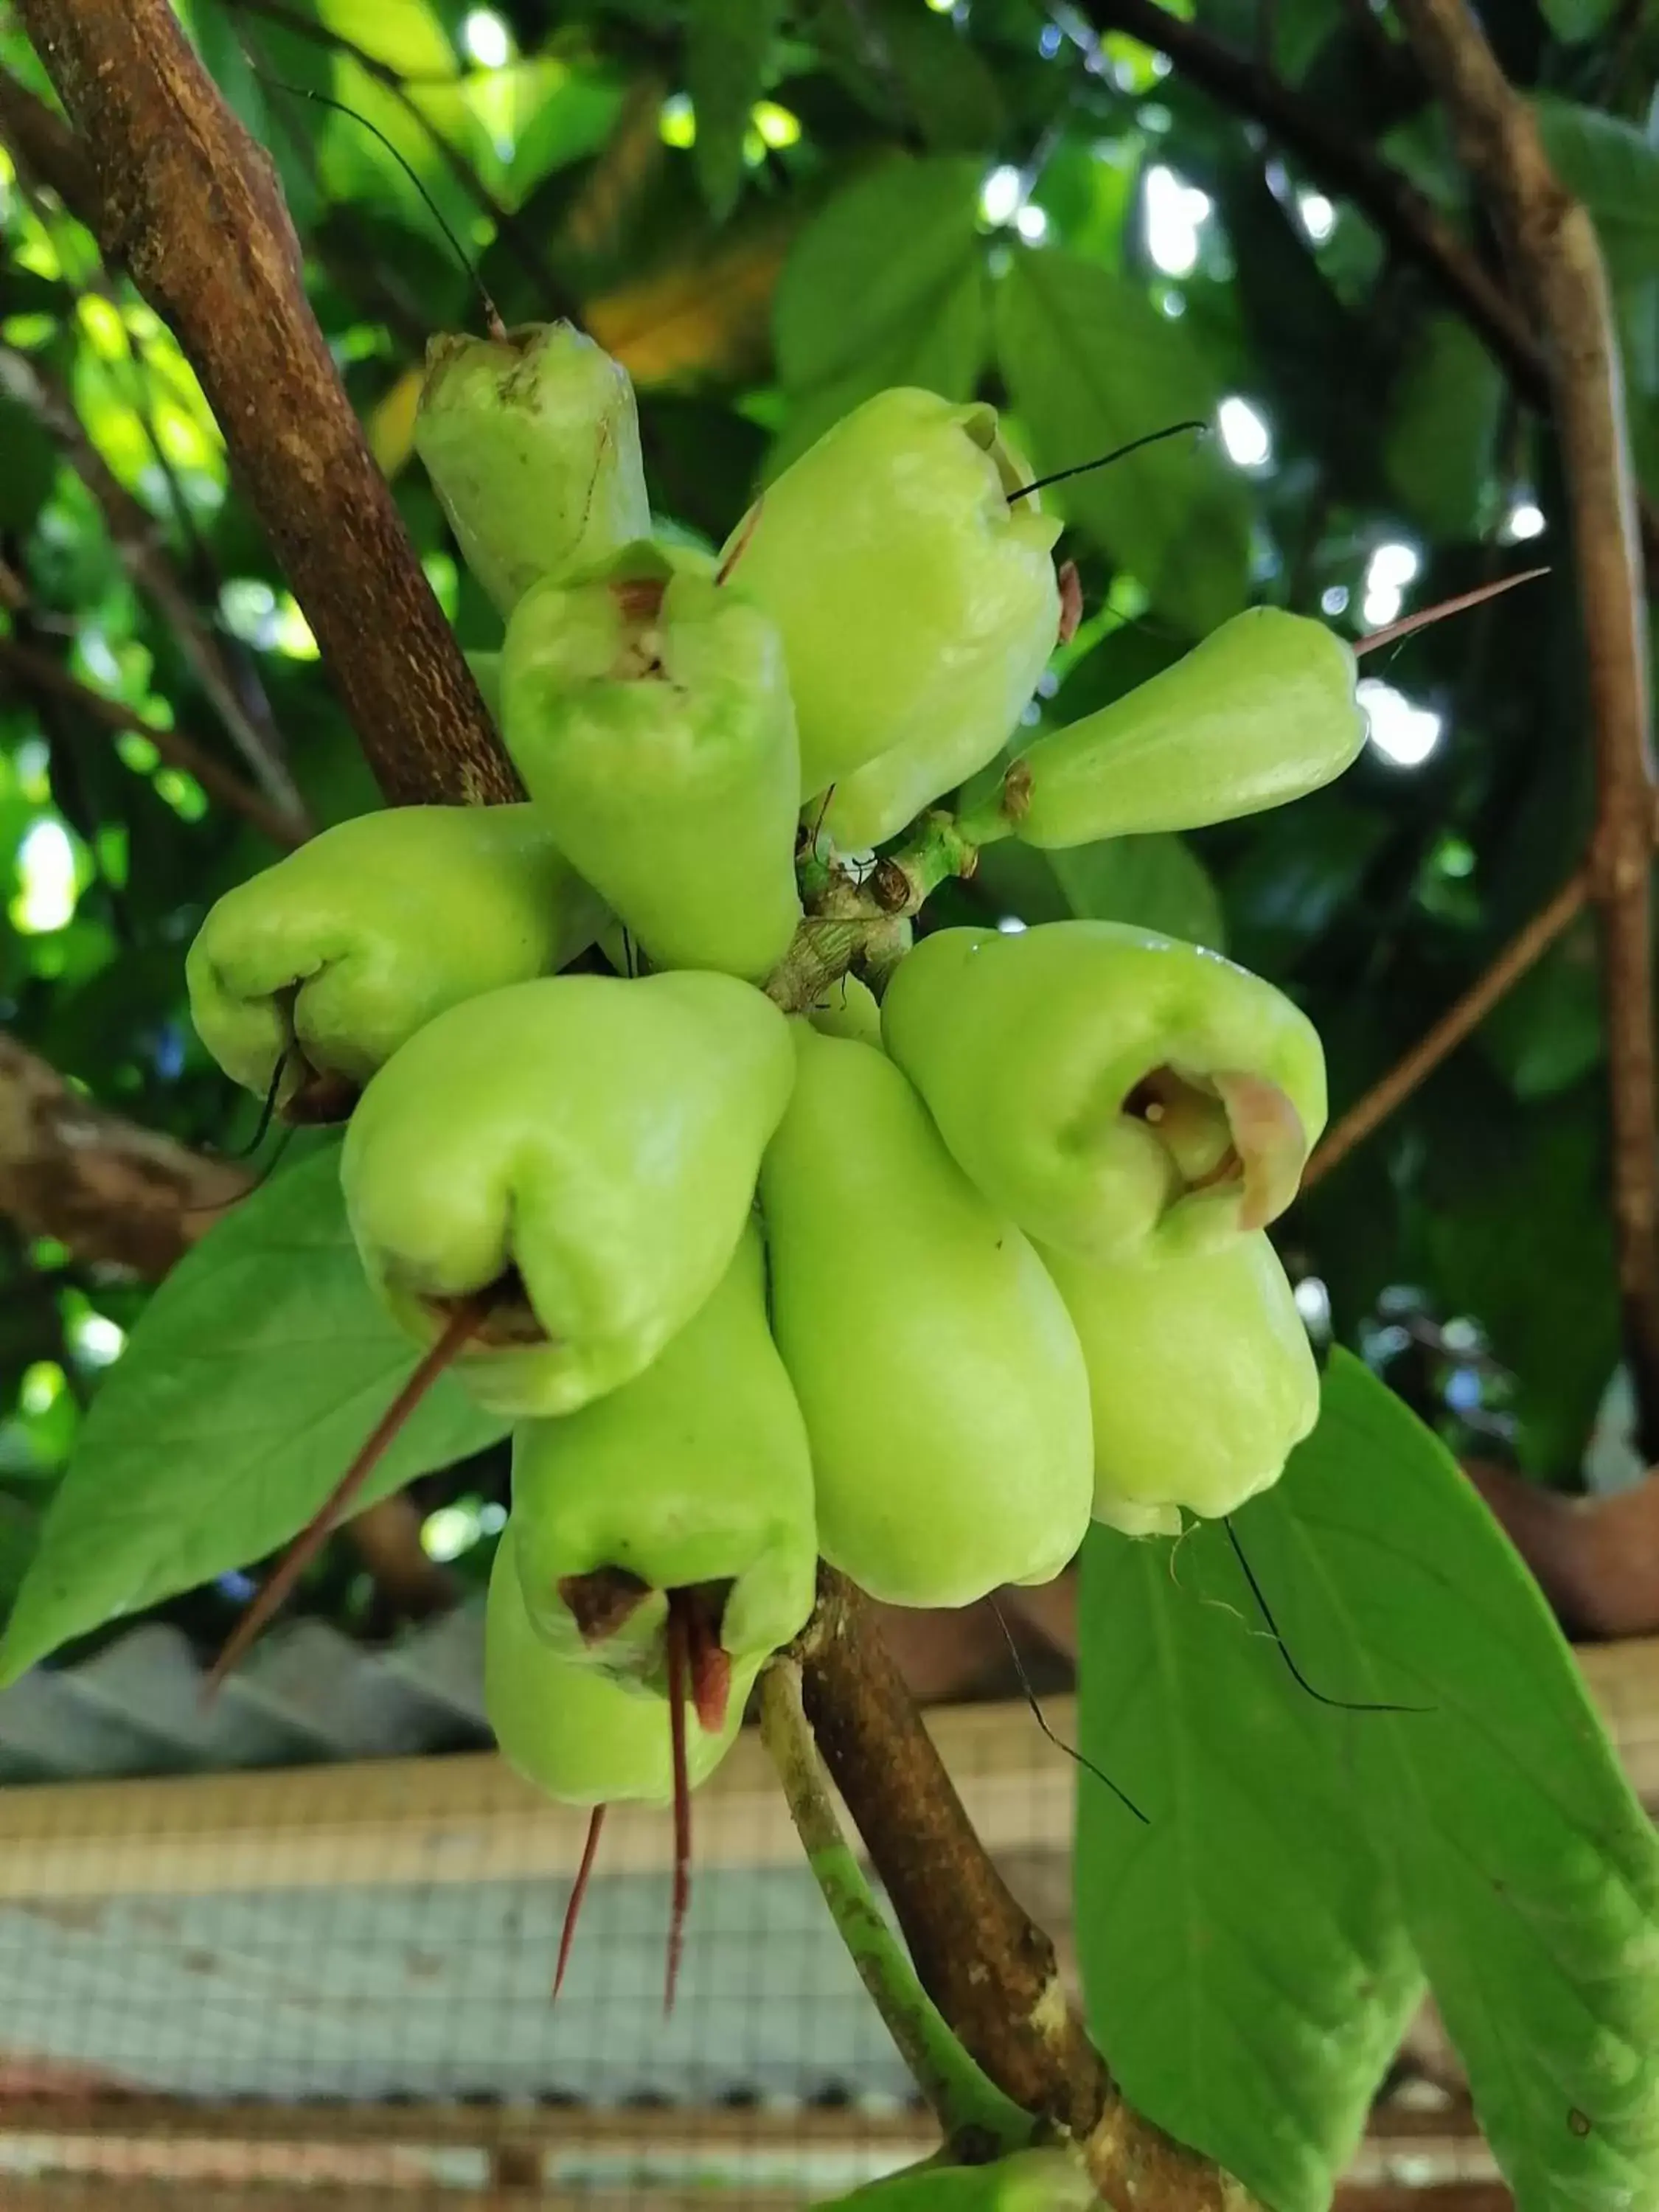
[(639, 656), (321, 1096), (604, 1600), (1230, 1126), (509, 1318)]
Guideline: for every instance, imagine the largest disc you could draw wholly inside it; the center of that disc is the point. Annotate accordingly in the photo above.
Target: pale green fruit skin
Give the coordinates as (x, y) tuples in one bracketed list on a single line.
[(1025, 1048), (1028, 2181), (574, 1734), (1263, 712), (918, 608), (848, 1008), (1201, 1380), (675, 792), (695, 1472), (945, 1392), (381, 922), (533, 444), (601, 1136)]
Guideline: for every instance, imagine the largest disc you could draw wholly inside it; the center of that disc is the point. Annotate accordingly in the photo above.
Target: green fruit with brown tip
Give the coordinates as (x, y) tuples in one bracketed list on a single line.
[(1201, 1379), (533, 444), (695, 1477), (577, 1734), (1108, 1086), (577, 1156), (943, 1386), (1263, 712), (648, 712), (327, 962), (918, 604)]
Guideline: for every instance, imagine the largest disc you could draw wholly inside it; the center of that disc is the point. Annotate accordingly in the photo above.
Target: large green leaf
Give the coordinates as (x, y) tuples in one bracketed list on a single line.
[(1527, 1873), (258, 1367), (1445, 414), (885, 286), (726, 51), (1244, 1966), (1091, 364), (1156, 882)]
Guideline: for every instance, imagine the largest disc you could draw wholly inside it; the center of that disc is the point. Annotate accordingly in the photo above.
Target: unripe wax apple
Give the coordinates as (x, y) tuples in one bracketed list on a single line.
[(533, 444), (694, 1476), (1263, 712), (944, 1388), (1105, 1084), (575, 1734), (580, 1152), (1044, 2180), (918, 605), (1200, 1376), (648, 712), (343, 949)]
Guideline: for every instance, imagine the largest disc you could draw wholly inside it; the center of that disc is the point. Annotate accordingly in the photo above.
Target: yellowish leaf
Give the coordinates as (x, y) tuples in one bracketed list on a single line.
[(390, 426)]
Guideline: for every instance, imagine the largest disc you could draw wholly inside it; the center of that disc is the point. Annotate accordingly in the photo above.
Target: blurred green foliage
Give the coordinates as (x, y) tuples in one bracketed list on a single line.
[(768, 211)]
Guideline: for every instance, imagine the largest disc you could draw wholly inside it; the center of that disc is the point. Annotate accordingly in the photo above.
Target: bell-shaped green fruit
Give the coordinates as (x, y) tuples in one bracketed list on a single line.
[(918, 604), (578, 1734), (847, 1008), (1104, 1084), (328, 961), (648, 712), (1200, 1375), (693, 1478), (533, 444), (1263, 712), (578, 1154), (945, 1392), (1045, 2180)]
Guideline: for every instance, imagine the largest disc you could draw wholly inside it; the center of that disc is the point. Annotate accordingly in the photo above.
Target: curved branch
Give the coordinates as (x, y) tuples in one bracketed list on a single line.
[(113, 1192), (1553, 248), (192, 205)]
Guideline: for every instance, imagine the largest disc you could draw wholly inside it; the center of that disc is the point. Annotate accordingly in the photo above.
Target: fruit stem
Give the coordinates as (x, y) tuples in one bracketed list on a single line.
[(678, 1685), (972, 2110), (578, 1891), (463, 1323)]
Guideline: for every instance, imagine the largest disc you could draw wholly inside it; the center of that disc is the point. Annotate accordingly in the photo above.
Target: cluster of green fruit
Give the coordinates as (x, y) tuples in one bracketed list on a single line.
[(916, 1287)]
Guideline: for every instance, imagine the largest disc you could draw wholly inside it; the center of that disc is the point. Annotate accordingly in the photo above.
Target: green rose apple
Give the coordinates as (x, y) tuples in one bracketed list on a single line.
[(579, 1155)]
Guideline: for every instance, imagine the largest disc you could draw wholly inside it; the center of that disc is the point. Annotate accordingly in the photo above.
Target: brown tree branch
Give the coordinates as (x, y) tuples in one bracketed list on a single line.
[(191, 204), (988, 1968), (42, 144), (136, 539), (113, 1192), (1524, 951), (1413, 226), (1553, 249), (37, 671)]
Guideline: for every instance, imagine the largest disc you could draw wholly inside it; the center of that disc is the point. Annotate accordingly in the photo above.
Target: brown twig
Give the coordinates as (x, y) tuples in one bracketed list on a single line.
[(1347, 164), (1553, 249), (42, 144), (112, 1192), (136, 539), (192, 205), (987, 1967), (1524, 951), (38, 672)]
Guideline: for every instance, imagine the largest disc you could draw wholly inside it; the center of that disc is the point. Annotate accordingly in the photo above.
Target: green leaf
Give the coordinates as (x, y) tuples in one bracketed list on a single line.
[(1091, 364), (1574, 21), (885, 286), (1614, 169), (26, 481), (726, 54), (1512, 1202), (1527, 1871), (1444, 414), (1156, 882), (946, 82), (256, 1370), (1244, 1967)]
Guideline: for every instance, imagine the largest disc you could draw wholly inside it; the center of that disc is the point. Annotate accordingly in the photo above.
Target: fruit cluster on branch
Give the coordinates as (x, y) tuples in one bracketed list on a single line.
[(774, 1237)]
